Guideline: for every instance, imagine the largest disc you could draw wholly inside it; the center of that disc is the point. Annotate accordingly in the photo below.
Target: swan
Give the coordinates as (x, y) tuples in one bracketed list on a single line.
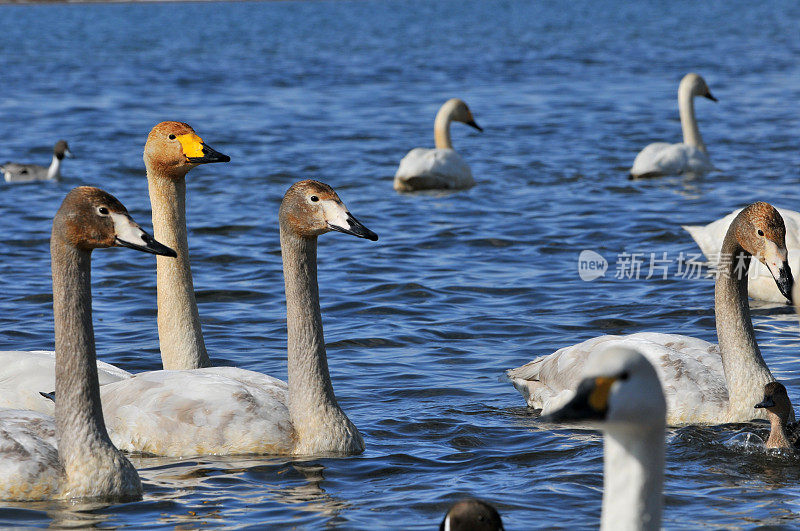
[(782, 433), (442, 167), (703, 383), (14, 172), (172, 149), (472, 515), (226, 410), (760, 286), (621, 392), (661, 158), (71, 456)]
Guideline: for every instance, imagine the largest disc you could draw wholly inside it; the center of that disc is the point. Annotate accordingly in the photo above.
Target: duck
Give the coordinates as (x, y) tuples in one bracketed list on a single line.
[(760, 284), (171, 150), (662, 158), (703, 383), (620, 393), (440, 168), (472, 515), (232, 411), (14, 172), (783, 434), (70, 455)]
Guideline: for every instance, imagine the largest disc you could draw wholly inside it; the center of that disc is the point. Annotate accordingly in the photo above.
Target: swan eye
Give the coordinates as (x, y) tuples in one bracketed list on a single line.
[(314, 198), (760, 232), (172, 137), (103, 211), (624, 376)]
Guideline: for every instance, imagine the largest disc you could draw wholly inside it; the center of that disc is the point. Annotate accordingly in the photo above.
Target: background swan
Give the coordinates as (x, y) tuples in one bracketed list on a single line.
[(172, 149), (776, 402), (225, 410), (442, 167), (86, 463), (703, 383), (760, 283), (621, 392), (14, 172), (661, 158)]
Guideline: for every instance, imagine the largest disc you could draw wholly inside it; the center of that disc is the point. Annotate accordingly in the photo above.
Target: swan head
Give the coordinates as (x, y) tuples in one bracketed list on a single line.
[(459, 112), (761, 232), (174, 148), (90, 218), (776, 401), (472, 515), (61, 149), (311, 208), (619, 388), (696, 86)]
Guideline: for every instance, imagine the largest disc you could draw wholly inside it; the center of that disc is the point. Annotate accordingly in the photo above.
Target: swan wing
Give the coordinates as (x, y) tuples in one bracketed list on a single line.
[(24, 374), (217, 410), (16, 172), (29, 466), (424, 169), (690, 371), (661, 158)]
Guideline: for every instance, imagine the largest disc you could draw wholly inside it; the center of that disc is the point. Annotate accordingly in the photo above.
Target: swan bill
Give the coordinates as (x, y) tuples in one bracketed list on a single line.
[(355, 227), (472, 123), (767, 402), (710, 96), (209, 155), (589, 403)]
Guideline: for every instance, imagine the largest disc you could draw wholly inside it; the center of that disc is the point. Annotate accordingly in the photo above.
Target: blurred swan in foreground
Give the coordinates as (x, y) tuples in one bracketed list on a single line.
[(172, 149), (72, 456), (442, 167), (15, 172), (472, 515), (661, 158), (225, 410), (703, 383), (760, 284), (620, 393)]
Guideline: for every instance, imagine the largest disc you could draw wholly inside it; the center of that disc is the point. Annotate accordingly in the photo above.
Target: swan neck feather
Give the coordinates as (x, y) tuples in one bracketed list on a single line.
[(441, 127), (54, 170), (691, 133), (179, 332)]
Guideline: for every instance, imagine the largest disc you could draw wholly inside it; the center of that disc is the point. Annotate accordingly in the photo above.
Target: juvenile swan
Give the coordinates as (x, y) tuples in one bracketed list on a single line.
[(225, 410), (661, 158), (703, 383), (442, 167), (472, 515), (782, 433), (620, 392), (85, 464), (760, 285), (15, 172), (172, 149)]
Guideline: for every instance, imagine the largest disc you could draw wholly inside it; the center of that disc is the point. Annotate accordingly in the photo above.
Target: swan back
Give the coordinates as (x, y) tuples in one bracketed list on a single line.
[(472, 515)]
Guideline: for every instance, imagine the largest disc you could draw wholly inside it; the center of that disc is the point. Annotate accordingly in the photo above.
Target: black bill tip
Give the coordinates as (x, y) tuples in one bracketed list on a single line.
[(472, 123), (209, 155), (356, 228), (151, 246), (785, 281), (579, 409), (710, 96), (767, 402)]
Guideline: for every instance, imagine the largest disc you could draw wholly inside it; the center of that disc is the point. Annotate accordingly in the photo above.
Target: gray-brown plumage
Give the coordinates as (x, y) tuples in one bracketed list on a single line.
[(472, 515)]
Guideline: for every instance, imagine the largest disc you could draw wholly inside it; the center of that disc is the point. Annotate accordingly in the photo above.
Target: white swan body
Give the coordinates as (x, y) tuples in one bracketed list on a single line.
[(224, 410), (25, 374), (621, 392), (703, 383), (71, 456), (760, 283), (661, 158), (14, 172), (440, 168)]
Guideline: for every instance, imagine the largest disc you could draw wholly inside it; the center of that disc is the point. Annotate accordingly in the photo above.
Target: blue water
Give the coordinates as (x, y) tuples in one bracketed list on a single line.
[(420, 325)]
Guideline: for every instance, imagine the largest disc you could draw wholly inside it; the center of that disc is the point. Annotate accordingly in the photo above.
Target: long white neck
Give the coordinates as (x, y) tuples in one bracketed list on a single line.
[(691, 133), (319, 423), (746, 373), (441, 126), (179, 331), (634, 476), (92, 465), (53, 172)]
